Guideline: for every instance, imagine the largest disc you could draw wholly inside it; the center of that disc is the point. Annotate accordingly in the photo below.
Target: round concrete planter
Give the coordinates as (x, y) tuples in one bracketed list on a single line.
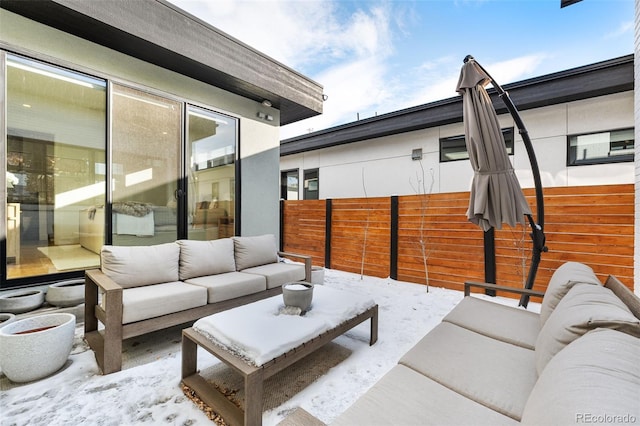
[(66, 293), (298, 294), (33, 348), (21, 301), (317, 275), (6, 318)]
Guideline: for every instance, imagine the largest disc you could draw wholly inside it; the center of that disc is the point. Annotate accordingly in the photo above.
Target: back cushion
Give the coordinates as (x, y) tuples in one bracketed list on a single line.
[(136, 266), (255, 251), (597, 375), (585, 307), (561, 282), (201, 258)]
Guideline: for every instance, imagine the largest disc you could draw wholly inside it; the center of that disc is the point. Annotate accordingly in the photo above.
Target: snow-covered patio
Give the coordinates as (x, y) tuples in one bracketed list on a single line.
[(148, 390)]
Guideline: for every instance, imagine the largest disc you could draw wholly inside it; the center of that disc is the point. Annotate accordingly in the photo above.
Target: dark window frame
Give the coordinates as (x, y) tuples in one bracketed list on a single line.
[(459, 140), (284, 185), (610, 159), (305, 190)]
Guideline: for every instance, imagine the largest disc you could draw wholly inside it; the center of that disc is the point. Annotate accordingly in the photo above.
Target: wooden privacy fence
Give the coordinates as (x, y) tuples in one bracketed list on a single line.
[(396, 236)]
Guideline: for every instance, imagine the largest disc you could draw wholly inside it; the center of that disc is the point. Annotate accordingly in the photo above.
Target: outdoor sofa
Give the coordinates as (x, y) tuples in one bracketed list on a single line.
[(140, 289), (576, 362)]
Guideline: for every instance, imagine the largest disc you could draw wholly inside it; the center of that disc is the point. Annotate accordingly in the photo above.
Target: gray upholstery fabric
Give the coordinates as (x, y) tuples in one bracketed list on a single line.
[(142, 303), (200, 258), (561, 282), (508, 324), (495, 374), (255, 251), (585, 307), (594, 380), (278, 273), (230, 285), (404, 397), (134, 266)]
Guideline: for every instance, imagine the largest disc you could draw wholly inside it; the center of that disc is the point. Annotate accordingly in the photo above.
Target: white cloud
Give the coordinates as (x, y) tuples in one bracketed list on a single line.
[(348, 51), (624, 28)]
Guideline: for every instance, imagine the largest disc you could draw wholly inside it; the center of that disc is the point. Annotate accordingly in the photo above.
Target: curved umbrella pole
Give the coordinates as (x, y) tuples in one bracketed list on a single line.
[(537, 229)]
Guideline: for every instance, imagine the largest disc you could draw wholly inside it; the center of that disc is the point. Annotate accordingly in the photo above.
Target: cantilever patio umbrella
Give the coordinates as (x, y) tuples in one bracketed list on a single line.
[(496, 196)]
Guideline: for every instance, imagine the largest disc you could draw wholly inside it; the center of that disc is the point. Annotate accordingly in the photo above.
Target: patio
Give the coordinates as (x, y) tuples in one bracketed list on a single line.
[(147, 390)]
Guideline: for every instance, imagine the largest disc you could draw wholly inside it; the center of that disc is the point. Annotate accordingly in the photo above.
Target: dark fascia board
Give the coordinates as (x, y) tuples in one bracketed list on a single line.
[(602, 78), (158, 32)]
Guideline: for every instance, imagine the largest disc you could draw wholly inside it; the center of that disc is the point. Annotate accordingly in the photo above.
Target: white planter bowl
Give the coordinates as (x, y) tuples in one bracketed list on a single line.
[(21, 301), (298, 295), (6, 318), (317, 275), (36, 354), (66, 293)]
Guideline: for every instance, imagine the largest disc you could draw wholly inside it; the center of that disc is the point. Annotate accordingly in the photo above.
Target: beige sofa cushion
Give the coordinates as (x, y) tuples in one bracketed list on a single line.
[(406, 397), (277, 274), (585, 307), (561, 282), (492, 373), (255, 251), (594, 380), (201, 258), (136, 266), (142, 303), (229, 285), (508, 324)]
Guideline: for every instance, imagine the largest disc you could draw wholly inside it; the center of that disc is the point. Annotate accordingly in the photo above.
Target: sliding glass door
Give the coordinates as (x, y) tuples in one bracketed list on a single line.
[(211, 145), (55, 165), (145, 167), (91, 162)]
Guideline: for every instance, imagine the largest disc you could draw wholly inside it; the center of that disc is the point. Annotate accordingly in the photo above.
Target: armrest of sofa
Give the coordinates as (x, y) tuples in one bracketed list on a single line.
[(110, 309), (107, 343), (305, 258), (489, 286)]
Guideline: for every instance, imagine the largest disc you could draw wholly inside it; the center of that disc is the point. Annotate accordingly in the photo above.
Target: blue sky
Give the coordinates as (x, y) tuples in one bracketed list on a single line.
[(375, 57)]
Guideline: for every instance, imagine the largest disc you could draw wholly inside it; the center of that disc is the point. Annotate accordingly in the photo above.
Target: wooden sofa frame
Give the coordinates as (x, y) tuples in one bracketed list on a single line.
[(107, 342), (612, 283)]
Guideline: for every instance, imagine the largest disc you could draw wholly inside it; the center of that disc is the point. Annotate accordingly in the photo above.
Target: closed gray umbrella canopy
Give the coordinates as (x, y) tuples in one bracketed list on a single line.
[(496, 195)]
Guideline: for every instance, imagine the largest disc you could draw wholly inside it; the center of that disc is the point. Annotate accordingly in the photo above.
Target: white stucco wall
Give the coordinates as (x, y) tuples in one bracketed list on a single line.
[(637, 153), (388, 169)]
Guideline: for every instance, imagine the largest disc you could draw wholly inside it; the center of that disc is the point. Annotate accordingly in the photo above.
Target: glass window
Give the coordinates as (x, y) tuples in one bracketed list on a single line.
[(289, 185), (598, 148), (146, 153), (212, 140), (56, 138), (454, 148), (311, 184)]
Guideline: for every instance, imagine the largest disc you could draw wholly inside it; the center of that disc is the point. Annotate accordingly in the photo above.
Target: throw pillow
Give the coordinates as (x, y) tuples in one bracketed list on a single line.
[(255, 251), (585, 307), (595, 379), (565, 277), (201, 258), (135, 266)]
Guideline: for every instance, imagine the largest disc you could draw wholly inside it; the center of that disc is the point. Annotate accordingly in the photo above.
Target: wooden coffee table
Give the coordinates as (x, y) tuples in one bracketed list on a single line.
[(254, 376)]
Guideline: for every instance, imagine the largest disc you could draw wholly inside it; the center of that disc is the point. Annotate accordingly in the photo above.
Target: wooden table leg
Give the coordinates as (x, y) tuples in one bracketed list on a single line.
[(253, 390), (374, 326), (189, 356)]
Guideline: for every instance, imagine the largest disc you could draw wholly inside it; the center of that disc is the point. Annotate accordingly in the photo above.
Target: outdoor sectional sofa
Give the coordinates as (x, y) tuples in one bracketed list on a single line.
[(578, 361), (140, 289)]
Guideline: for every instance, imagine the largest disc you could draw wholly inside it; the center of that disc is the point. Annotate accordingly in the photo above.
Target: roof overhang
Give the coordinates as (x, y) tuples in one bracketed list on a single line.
[(602, 78), (160, 33)]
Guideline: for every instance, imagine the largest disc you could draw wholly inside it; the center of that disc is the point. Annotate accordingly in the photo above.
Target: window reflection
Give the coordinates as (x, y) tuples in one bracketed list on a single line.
[(56, 120), (212, 152)]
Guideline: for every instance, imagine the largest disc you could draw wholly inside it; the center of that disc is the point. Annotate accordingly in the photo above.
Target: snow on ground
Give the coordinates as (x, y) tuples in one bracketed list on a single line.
[(150, 393)]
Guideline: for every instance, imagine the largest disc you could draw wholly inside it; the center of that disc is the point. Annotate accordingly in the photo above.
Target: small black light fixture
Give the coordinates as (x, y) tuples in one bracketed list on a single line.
[(416, 154)]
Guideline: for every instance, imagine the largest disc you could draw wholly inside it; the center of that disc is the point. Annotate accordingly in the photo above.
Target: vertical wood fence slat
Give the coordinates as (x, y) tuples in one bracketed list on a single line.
[(588, 224)]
